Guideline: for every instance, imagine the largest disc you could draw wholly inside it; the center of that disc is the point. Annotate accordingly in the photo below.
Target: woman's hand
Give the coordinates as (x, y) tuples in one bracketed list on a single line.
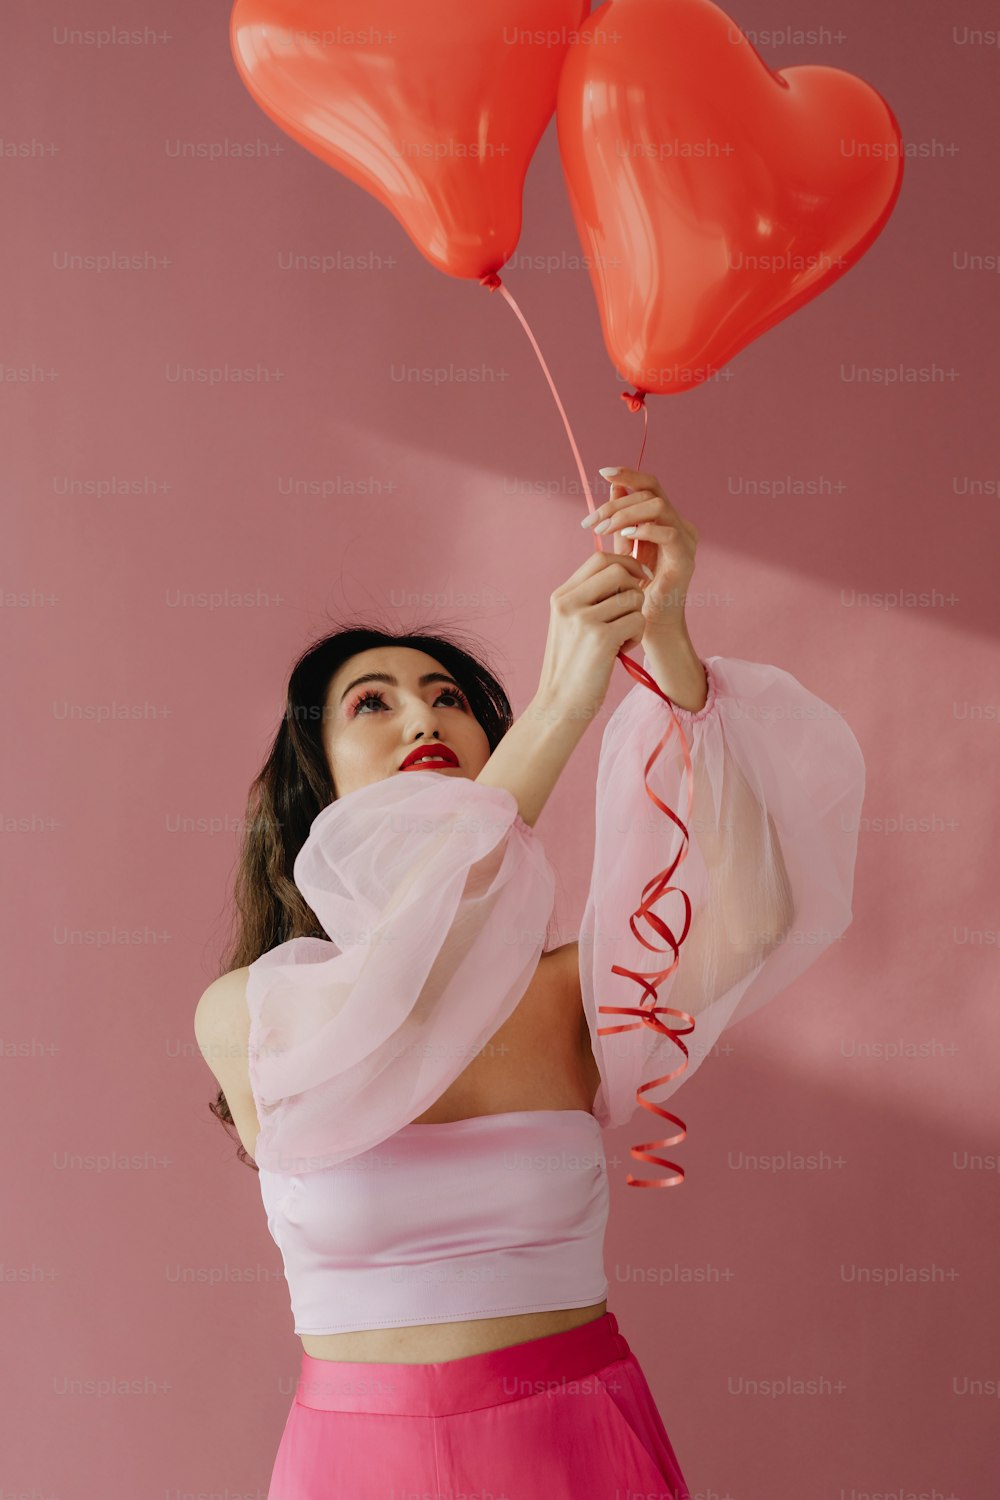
[(667, 545), (595, 614)]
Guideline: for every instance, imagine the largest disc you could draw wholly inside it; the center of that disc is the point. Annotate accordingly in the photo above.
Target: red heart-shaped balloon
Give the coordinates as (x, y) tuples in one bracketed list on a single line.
[(713, 195), (434, 107)]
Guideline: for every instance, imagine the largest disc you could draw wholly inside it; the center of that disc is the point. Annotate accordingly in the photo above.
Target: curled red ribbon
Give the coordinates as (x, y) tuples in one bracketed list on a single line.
[(652, 891), (658, 886)]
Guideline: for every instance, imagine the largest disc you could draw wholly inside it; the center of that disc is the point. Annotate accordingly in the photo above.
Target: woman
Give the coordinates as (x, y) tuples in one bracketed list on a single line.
[(418, 1071)]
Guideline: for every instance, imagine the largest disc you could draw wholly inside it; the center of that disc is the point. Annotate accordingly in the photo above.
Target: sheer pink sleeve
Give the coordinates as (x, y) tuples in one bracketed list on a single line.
[(778, 785), (433, 892)]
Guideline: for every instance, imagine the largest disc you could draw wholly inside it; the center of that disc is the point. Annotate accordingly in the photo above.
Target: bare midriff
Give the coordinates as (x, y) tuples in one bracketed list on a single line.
[(430, 1343)]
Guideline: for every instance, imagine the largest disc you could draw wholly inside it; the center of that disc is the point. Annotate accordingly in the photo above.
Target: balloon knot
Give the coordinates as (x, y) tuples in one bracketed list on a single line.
[(491, 281), (635, 399)]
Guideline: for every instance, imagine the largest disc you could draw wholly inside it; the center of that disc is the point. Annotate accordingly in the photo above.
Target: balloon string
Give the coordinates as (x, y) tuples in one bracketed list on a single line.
[(636, 402), (493, 283), (657, 886)]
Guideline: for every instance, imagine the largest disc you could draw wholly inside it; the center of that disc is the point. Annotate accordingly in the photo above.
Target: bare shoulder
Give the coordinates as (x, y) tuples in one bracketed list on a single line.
[(222, 1020), (222, 1030)]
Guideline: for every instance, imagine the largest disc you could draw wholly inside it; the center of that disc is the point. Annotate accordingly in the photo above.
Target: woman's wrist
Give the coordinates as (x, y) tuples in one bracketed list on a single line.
[(677, 669)]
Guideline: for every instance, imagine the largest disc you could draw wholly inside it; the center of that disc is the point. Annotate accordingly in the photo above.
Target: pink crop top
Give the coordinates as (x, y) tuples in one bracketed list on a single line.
[(436, 899), (502, 1212)]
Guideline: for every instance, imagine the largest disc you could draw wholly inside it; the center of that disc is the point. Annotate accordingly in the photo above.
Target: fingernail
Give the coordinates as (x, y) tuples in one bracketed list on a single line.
[(648, 571), (608, 473), (589, 520)]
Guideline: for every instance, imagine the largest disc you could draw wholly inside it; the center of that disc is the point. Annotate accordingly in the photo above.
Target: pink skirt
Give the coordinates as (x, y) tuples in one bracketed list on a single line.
[(563, 1417)]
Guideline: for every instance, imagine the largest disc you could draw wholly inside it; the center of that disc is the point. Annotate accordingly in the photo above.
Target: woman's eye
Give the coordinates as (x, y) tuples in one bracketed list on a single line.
[(372, 696)]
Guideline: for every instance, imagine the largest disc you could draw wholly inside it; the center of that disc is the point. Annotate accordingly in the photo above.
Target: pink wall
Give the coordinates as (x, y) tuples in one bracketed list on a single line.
[(135, 1250)]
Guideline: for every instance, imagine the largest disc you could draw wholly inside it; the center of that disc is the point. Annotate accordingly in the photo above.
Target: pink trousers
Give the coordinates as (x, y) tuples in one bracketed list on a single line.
[(565, 1417)]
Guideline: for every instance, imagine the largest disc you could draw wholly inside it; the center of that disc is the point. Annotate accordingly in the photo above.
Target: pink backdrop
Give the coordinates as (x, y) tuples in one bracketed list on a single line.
[(170, 543)]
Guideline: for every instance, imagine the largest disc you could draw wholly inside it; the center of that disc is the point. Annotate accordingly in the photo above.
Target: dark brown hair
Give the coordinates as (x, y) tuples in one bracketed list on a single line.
[(294, 784)]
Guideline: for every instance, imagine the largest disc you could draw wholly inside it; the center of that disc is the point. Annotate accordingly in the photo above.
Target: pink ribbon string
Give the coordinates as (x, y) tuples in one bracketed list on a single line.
[(658, 886)]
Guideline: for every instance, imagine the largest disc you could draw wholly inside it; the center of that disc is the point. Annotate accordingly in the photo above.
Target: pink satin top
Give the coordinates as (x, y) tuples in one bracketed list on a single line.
[(474, 1218), (436, 899)]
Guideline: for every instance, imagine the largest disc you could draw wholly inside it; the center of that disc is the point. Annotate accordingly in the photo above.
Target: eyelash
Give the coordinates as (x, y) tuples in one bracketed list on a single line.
[(373, 694)]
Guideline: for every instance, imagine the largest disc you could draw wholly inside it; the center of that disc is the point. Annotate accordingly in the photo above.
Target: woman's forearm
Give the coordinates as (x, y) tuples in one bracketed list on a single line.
[(532, 754), (748, 914), (676, 668), (530, 758)]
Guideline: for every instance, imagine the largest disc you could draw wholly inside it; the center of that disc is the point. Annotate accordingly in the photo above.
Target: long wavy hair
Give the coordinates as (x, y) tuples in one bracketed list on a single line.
[(294, 784)]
